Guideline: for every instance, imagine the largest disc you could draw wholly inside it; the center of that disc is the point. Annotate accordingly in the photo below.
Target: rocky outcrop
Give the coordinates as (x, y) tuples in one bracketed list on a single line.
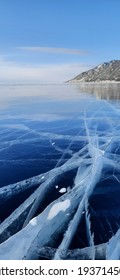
[(108, 71)]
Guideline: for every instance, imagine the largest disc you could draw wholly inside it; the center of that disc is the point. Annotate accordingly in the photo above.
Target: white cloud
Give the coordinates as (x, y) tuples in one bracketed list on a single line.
[(50, 73), (54, 50)]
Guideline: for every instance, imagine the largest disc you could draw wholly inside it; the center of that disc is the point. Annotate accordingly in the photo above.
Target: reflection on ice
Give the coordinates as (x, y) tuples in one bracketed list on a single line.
[(109, 91), (69, 171)]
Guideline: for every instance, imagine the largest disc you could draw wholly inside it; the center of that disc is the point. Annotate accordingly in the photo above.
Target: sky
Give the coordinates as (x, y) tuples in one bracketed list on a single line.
[(51, 41)]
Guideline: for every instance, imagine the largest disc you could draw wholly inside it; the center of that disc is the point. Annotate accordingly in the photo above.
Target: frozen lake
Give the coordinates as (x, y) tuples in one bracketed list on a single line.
[(44, 127)]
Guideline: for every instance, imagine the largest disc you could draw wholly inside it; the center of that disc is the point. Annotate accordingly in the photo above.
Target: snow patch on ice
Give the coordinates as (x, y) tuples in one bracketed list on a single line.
[(60, 206), (63, 190), (33, 222)]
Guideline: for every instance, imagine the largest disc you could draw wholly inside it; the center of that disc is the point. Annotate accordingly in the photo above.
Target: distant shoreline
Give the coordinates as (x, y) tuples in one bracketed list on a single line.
[(96, 82)]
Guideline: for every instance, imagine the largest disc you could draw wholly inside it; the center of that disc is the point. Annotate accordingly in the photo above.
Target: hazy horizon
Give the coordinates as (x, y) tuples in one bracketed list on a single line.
[(54, 42)]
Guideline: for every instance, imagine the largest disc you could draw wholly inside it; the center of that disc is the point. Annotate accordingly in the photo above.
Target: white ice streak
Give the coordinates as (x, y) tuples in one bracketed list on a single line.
[(113, 247), (90, 235)]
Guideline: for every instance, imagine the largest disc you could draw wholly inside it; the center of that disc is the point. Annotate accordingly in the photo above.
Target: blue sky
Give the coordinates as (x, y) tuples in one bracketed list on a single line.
[(54, 40)]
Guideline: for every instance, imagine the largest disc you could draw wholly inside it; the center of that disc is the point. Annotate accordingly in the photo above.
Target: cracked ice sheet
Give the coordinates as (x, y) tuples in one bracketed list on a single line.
[(41, 225), (110, 118)]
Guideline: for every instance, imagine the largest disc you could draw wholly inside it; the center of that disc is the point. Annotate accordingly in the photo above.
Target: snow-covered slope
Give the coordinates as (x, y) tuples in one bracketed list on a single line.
[(108, 71)]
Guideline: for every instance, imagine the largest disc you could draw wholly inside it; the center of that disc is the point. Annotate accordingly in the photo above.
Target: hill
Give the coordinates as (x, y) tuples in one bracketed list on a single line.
[(108, 71)]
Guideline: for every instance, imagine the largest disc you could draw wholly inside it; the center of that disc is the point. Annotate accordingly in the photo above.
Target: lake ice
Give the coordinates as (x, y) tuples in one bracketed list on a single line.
[(60, 171)]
